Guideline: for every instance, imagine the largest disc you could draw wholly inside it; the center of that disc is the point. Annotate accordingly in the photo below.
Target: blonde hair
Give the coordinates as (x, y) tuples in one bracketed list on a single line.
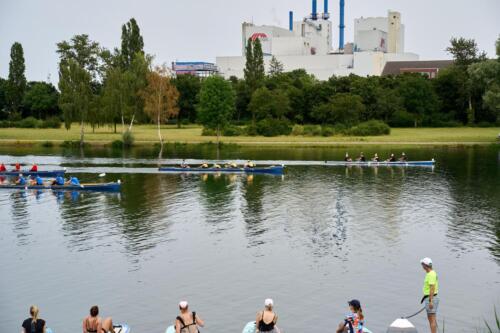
[(34, 313)]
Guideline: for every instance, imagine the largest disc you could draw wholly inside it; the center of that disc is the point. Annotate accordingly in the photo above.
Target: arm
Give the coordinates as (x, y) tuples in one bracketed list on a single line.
[(84, 327), (275, 319), (200, 322), (257, 320), (431, 295), (177, 326)]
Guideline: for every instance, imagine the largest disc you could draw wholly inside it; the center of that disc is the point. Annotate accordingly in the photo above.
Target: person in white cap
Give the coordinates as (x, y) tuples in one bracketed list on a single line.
[(187, 322), (266, 320), (430, 290)]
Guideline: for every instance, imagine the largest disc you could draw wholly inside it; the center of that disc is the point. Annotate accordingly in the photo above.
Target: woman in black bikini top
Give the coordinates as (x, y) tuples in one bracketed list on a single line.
[(266, 320), (95, 324)]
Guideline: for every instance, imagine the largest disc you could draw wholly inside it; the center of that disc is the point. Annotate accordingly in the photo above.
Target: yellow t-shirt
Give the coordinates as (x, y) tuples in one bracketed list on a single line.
[(431, 278)]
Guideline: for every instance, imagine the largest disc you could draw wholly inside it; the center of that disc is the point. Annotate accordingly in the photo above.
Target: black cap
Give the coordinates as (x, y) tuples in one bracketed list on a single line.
[(354, 303)]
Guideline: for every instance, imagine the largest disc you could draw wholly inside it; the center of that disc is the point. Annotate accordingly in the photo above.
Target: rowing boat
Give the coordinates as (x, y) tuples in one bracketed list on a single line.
[(101, 187), (43, 174), (272, 170), (381, 163)]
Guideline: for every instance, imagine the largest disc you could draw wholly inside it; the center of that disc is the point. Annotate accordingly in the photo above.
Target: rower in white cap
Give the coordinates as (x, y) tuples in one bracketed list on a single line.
[(187, 322)]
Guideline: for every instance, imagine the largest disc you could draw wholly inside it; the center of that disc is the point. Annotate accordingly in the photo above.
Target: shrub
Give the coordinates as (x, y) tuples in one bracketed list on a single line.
[(29, 122), (402, 118), (208, 132), (128, 138), (273, 127), (251, 130), (327, 131), (47, 144), (232, 130), (297, 130), (52, 122), (312, 130), (117, 144), (370, 128)]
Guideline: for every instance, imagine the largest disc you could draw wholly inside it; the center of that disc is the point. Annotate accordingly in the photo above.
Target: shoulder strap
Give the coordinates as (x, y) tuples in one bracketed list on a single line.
[(179, 318), (194, 317)]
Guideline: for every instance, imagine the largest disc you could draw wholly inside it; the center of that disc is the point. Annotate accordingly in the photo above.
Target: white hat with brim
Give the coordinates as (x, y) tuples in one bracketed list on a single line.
[(183, 304), (426, 261), (268, 302)]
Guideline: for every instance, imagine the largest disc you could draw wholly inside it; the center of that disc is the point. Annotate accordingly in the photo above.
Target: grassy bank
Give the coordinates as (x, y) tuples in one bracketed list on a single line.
[(147, 134)]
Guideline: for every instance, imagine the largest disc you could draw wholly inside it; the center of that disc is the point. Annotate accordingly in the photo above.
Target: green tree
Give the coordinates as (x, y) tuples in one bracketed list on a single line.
[(387, 102), (451, 87), (41, 100), (343, 108), (16, 83), (275, 66), (418, 95), (76, 94), (216, 105), (160, 100), (465, 51), (189, 87), (254, 71), (85, 52), (132, 43), (117, 95), (485, 77), (272, 104), (3, 101), (258, 62)]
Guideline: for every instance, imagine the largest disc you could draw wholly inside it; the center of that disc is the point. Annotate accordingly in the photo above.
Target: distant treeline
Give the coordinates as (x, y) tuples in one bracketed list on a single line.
[(120, 88)]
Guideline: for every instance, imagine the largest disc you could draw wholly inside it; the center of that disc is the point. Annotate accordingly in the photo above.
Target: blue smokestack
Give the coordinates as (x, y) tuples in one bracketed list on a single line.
[(290, 22), (341, 25), (314, 14), (326, 16)]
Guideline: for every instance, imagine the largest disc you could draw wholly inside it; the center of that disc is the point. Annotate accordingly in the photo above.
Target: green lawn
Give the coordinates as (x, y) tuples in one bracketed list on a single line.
[(145, 134)]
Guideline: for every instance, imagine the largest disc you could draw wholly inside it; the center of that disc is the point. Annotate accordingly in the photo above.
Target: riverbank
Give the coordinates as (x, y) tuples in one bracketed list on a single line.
[(146, 135)]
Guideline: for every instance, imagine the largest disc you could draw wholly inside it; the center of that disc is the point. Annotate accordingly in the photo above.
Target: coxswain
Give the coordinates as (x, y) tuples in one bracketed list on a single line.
[(21, 180), (34, 168), (184, 165), (249, 164), (403, 158), (376, 158), (392, 158), (347, 158), (2, 168), (361, 158), (58, 181)]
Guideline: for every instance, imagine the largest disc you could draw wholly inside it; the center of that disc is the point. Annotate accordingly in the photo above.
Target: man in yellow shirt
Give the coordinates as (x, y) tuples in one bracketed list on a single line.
[(430, 290)]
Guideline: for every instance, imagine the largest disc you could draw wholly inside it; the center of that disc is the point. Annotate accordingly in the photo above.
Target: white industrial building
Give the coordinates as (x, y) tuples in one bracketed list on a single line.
[(307, 44)]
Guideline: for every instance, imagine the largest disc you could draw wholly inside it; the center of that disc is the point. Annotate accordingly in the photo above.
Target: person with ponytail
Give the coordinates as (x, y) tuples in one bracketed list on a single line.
[(34, 324), (354, 321), (95, 324)]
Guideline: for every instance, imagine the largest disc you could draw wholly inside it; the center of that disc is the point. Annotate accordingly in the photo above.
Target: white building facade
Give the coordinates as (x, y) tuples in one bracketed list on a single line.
[(308, 45)]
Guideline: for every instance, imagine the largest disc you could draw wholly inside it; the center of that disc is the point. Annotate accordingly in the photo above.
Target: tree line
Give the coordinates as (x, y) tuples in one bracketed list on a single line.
[(121, 87)]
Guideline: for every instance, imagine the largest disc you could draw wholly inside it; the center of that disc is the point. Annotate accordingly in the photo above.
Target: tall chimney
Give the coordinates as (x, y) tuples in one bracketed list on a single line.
[(314, 14), (326, 15), (290, 22), (341, 25)]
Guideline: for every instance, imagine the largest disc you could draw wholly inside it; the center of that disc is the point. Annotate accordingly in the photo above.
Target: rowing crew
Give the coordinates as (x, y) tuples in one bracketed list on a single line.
[(59, 181), (17, 167), (231, 165), (376, 158)]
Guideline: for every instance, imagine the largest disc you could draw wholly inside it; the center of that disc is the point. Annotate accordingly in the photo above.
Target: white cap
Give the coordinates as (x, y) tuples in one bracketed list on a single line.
[(183, 304), (268, 302), (426, 261)]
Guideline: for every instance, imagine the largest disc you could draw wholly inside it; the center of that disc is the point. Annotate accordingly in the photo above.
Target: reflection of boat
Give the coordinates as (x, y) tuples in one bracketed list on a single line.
[(105, 187), (272, 170), (381, 163), (43, 174)]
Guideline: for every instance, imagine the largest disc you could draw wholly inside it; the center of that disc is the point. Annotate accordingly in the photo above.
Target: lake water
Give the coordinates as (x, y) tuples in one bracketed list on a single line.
[(311, 240)]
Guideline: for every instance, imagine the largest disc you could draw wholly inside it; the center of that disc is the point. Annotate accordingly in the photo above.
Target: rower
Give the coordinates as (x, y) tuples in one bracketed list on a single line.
[(249, 164), (73, 181), (34, 168), (347, 158), (376, 158), (204, 166), (21, 180), (361, 157), (392, 158), (184, 165), (403, 158), (2, 168), (58, 181), (17, 167), (216, 166), (37, 181)]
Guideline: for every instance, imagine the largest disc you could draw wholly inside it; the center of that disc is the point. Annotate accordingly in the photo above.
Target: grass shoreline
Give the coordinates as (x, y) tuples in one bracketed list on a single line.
[(146, 135)]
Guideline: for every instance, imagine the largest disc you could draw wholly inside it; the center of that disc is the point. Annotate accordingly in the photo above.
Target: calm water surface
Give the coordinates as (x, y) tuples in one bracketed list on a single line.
[(311, 240)]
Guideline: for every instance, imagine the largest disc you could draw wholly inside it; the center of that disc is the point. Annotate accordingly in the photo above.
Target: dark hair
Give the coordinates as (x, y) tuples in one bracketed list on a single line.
[(94, 311)]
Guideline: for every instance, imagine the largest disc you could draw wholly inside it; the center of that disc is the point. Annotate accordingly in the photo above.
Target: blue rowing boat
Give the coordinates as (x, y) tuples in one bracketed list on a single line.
[(382, 163), (270, 170), (98, 187), (26, 173)]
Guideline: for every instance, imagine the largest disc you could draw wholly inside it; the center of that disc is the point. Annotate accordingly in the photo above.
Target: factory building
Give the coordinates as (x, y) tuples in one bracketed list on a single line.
[(307, 44)]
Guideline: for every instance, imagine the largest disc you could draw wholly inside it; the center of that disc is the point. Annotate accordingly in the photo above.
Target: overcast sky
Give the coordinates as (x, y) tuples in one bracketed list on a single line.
[(189, 30)]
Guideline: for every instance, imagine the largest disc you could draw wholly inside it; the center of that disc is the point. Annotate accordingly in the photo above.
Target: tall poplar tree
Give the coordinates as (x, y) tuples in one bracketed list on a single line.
[(132, 43), (16, 82)]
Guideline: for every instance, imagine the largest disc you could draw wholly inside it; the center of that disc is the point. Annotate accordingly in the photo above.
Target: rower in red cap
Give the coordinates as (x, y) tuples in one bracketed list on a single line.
[(2, 168), (34, 168)]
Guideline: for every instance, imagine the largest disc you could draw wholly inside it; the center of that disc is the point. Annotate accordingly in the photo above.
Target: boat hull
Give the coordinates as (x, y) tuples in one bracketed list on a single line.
[(272, 170), (107, 187), (43, 174)]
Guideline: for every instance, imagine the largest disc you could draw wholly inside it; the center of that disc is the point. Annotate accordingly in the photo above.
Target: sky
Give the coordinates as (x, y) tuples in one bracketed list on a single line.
[(200, 30)]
